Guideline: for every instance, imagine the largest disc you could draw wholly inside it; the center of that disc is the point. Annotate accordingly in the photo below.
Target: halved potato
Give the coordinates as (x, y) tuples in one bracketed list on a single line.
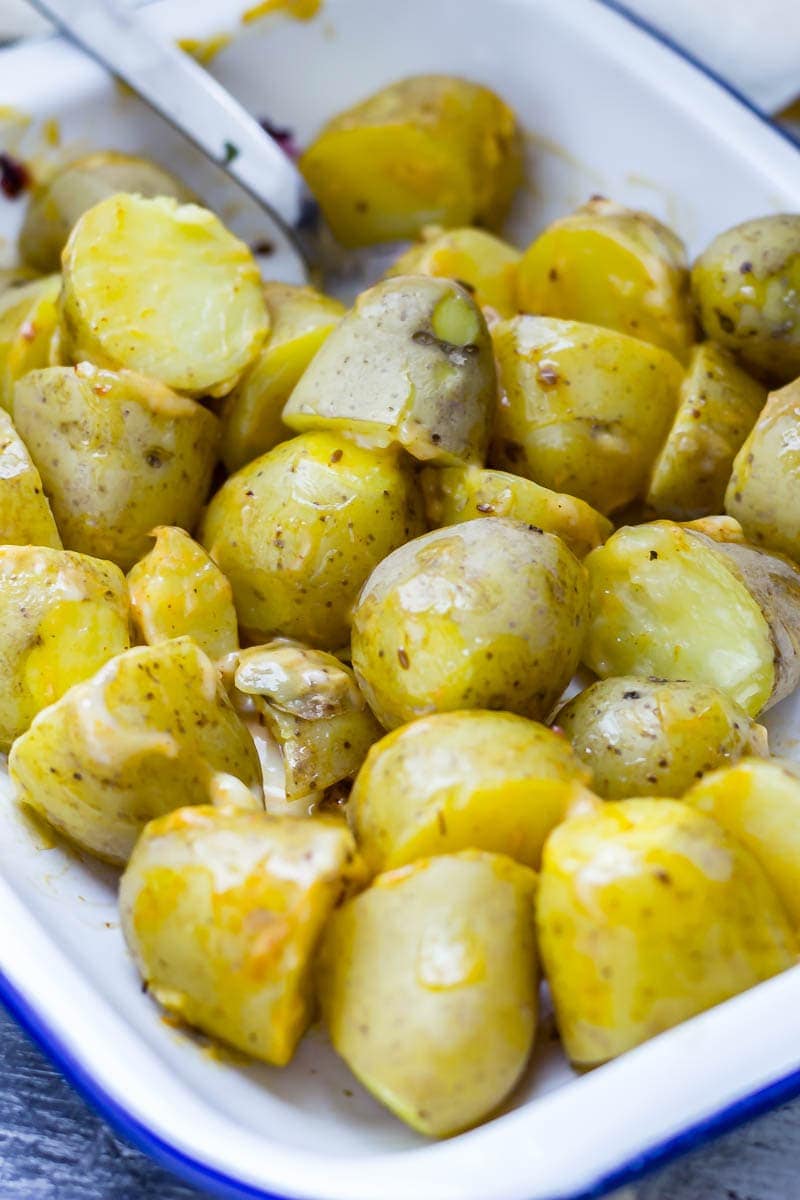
[(28, 321), (483, 264), (26, 518)]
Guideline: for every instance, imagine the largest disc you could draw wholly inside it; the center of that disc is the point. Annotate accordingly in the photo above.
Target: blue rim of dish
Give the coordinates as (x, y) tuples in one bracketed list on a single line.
[(207, 1178)]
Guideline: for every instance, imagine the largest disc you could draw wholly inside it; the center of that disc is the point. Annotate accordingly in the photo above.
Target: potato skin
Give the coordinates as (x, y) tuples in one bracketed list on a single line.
[(649, 913), (176, 590), (298, 531), (488, 614), (26, 518), (151, 731), (411, 364), (428, 985), (746, 286), (582, 410), (222, 910), (650, 737), (28, 322), (482, 263), (118, 455), (456, 494), (719, 404), (612, 266), (489, 780), (428, 149)]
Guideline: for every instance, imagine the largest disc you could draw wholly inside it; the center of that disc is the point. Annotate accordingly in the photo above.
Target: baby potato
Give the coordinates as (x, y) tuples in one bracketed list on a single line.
[(670, 601), (118, 455), (62, 616), (650, 737), (612, 266), (583, 410), (164, 289), (746, 286), (428, 149), (762, 492), (176, 590), (298, 531), (25, 514), (456, 494), (300, 320), (758, 802), (456, 780), (222, 911), (649, 913), (57, 203), (410, 364), (149, 732), (28, 321), (718, 406), (488, 614), (428, 985), (482, 263)]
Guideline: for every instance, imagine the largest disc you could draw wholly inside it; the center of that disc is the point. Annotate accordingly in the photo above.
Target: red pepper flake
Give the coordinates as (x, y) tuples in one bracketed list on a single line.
[(14, 176), (28, 331)]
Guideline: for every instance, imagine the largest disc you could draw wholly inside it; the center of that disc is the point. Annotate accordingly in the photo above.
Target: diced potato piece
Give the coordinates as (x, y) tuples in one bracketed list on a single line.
[(673, 602), (410, 364), (15, 277), (62, 616), (222, 911), (428, 986), (164, 289), (429, 149), (456, 494), (648, 737), (58, 202), (153, 730), (649, 913), (613, 266), (118, 454), (300, 320), (718, 407), (583, 410), (176, 590), (26, 518), (28, 321), (482, 263), (758, 802), (452, 781)]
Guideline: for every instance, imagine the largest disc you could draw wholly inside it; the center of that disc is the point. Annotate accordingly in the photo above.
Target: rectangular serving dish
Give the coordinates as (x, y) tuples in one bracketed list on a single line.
[(609, 109)]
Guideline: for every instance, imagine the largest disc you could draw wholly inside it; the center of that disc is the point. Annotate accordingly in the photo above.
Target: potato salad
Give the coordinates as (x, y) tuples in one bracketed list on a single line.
[(408, 658)]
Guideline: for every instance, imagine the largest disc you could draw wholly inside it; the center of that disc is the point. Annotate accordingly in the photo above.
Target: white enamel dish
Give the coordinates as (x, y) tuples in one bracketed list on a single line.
[(610, 110)]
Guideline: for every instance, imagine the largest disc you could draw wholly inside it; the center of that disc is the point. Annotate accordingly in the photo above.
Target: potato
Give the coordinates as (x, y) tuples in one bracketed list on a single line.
[(410, 364), (25, 514), (456, 494), (762, 492), (151, 731), (649, 737), (583, 410), (746, 286), (457, 780), (649, 913), (673, 602), (488, 614), (118, 455), (298, 531), (300, 320), (482, 263), (718, 407), (15, 277), (28, 320), (312, 706), (62, 616), (222, 911), (57, 203), (612, 266), (164, 289), (176, 590), (428, 985), (428, 149), (758, 802)]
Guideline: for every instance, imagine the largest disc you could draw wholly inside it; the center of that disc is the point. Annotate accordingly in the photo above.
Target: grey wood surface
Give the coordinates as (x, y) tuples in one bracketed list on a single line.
[(52, 1147)]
